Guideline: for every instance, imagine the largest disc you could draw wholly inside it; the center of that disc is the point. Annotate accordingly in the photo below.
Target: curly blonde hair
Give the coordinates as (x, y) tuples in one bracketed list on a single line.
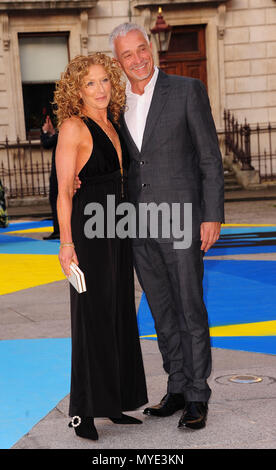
[(67, 101)]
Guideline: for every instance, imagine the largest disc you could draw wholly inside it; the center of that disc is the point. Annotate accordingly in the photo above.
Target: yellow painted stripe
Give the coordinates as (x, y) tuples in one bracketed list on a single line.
[(149, 336), (25, 271), (32, 230), (266, 328), (50, 229)]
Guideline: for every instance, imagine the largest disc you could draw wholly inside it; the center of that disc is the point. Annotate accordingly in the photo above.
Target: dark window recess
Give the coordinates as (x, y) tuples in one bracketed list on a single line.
[(37, 105), (184, 42)]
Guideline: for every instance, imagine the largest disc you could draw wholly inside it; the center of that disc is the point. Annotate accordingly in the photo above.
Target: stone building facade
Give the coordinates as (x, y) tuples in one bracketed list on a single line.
[(238, 48)]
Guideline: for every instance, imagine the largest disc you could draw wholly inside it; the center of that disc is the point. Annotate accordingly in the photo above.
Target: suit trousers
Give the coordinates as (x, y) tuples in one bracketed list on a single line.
[(172, 282)]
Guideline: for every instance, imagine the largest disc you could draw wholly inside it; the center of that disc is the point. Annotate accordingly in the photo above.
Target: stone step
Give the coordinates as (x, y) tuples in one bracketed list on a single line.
[(232, 188), (230, 182)]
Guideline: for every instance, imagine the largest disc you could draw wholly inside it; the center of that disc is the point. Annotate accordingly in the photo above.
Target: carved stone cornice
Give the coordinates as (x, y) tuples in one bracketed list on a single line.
[(46, 5), (84, 32), (5, 32), (157, 3), (221, 21)]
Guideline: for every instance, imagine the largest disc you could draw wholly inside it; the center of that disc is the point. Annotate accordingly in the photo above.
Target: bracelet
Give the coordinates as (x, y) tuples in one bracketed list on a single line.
[(67, 244)]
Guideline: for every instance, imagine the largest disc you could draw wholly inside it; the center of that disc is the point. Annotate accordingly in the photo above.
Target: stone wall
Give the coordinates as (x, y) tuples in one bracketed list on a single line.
[(249, 52), (241, 53), (102, 19)]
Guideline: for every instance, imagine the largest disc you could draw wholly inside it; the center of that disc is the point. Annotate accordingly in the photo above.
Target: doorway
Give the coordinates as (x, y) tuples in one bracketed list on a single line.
[(186, 54)]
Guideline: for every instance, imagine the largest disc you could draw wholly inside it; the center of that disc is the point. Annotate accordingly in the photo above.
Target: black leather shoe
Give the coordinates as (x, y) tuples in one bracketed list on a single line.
[(194, 415), (169, 404)]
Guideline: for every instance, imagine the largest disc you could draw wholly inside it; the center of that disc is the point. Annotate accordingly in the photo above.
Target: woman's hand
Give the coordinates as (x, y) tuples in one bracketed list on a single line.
[(66, 256)]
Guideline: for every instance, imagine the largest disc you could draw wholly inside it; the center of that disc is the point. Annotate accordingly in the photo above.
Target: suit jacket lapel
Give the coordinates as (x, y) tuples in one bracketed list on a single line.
[(160, 95)]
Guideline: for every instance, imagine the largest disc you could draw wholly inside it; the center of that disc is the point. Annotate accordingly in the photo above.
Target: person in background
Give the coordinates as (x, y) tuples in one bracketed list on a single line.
[(4, 221), (48, 139)]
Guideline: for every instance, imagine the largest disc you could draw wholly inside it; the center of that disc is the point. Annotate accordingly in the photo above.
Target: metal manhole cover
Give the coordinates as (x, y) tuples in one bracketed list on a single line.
[(236, 378), (245, 379)]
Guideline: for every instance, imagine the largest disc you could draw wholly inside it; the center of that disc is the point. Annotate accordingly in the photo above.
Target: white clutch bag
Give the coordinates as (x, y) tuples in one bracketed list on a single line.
[(76, 278)]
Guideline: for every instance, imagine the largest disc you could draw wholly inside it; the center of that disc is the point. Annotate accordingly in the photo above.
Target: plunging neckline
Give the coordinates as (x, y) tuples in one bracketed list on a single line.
[(121, 167)]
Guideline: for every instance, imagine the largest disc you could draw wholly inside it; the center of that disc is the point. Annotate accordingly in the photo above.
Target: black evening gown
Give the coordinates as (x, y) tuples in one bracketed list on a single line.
[(107, 372)]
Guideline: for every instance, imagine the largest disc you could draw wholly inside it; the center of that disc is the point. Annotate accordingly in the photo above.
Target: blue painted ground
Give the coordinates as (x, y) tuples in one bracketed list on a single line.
[(35, 376), (245, 240), (233, 240), (10, 244), (235, 292), (239, 291), (257, 344)]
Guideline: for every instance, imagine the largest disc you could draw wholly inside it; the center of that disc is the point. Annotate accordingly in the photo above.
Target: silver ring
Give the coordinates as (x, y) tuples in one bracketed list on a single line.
[(76, 424)]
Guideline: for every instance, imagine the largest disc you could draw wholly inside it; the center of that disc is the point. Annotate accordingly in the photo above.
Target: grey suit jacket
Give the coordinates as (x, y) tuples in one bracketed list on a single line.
[(180, 159)]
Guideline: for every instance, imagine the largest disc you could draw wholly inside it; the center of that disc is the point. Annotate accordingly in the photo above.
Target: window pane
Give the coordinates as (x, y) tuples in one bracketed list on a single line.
[(42, 59)]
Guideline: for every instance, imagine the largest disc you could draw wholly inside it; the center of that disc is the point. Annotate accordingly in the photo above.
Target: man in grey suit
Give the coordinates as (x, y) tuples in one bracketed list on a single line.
[(174, 158)]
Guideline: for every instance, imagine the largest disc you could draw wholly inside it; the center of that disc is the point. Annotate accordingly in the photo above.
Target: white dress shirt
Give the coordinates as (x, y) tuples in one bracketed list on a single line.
[(137, 108)]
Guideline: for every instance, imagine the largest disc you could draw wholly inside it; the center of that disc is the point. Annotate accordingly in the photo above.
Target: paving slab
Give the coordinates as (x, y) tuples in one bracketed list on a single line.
[(241, 416)]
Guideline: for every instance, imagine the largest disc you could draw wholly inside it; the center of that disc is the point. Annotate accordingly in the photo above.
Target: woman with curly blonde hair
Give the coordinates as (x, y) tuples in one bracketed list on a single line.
[(67, 96), (107, 373)]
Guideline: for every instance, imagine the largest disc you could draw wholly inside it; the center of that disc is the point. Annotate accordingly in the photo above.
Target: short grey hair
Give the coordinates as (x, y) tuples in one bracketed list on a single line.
[(122, 30)]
